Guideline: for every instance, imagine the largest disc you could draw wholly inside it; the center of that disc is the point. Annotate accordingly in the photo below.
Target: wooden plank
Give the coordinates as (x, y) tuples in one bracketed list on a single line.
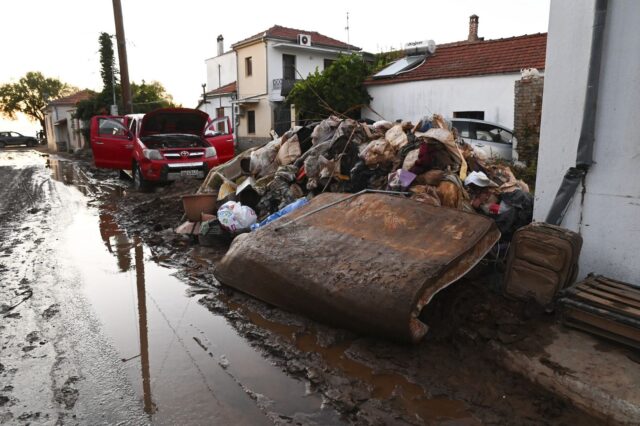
[(602, 326), (625, 294), (631, 292), (625, 310), (611, 296), (621, 284)]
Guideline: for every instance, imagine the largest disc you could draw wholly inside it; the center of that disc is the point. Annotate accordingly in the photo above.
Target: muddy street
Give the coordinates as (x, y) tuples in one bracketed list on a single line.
[(109, 317)]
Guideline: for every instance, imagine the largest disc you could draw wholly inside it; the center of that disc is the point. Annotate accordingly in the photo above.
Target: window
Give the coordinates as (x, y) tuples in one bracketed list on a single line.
[(289, 67), (476, 115), (221, 126), (327, 63), (251, 122), (462, 127), (109, 127), (489, 133), (248, 66)]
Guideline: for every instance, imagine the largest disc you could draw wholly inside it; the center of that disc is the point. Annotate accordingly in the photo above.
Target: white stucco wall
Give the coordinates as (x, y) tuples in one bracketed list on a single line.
[(66, 132), (493, 94), (217, 102), (228, 73), (609, 218), (307, 61)]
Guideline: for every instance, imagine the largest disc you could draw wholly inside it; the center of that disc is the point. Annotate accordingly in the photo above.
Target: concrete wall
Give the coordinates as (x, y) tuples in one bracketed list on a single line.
[(228, 70), (256, 83), (609, 217), (264, 120), (307, 61), (412, 100), (64, 132)]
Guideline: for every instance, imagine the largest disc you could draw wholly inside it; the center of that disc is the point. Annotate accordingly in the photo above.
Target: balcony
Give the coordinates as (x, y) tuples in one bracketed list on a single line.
[(284, 85)]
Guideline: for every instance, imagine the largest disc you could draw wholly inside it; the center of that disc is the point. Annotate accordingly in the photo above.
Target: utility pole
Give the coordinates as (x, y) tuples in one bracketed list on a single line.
[(122, 57), (347, 28)]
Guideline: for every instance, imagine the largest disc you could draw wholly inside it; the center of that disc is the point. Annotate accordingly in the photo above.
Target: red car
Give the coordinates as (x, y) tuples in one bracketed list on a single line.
[(161, 146), (219, 134)]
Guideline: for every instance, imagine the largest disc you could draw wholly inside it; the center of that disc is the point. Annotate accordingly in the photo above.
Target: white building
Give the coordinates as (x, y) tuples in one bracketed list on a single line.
[(469, 79), (608, 215), (221, 83), (63, 131), (268, 64)]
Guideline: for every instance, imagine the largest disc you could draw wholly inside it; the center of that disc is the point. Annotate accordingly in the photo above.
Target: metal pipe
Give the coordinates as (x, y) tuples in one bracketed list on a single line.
[(584, 155)]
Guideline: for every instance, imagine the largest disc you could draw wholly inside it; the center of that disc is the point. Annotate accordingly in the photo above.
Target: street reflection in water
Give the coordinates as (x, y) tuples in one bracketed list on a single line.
[(171, 346)]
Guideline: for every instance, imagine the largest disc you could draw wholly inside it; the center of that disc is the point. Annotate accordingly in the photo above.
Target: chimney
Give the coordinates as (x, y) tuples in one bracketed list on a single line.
[(221, 44), (473, 28)]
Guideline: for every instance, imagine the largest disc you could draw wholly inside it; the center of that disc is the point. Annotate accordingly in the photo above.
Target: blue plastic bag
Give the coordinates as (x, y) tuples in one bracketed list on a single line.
[(283, 211)]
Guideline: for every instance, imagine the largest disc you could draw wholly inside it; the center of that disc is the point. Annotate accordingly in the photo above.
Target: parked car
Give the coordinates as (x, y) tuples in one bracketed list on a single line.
[(15, 138), (160, 146), (494, 140), (219, 134)]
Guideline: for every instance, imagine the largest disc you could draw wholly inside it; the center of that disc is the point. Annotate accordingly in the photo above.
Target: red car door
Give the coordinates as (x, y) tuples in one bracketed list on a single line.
[(219, 134), (111, 142)]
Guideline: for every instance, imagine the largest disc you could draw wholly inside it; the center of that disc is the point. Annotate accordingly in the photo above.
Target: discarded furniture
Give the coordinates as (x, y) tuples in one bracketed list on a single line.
[(367, 262), (604, 307)]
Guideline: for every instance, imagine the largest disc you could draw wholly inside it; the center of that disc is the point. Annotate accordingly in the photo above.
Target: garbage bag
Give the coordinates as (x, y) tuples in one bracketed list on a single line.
[(235, 217), (324, 131), (263, 160), (410, 159), (289, 151), (378, 152), (396, 137), (285, 210)]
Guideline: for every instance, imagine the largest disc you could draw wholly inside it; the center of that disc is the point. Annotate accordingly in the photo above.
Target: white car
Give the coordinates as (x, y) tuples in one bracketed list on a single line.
[(491, 139)]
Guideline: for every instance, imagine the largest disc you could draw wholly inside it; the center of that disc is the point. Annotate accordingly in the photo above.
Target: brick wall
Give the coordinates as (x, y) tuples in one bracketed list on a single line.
[(527, 115)]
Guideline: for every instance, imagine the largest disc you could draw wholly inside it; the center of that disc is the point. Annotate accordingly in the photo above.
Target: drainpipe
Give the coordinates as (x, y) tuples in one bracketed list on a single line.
[(584, 156)]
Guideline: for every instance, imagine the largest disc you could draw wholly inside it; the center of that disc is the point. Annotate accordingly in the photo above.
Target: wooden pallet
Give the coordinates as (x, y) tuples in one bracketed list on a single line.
[(604, 307)]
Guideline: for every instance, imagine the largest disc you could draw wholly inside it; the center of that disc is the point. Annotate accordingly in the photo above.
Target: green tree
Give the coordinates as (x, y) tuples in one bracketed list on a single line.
[(30, 95), (149, 96), (338, 89), (145, 97), (108, 69)]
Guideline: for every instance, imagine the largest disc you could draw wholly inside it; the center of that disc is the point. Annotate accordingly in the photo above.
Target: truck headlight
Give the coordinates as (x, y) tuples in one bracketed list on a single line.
[(152, 154), (210, 152)]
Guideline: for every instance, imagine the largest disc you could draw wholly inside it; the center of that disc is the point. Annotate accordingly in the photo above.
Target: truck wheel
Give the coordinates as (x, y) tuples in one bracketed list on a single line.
[(31, 144), (139, 183)]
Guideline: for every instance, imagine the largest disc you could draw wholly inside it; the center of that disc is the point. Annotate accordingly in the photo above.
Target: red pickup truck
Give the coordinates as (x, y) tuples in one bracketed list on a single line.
[(163, 145)]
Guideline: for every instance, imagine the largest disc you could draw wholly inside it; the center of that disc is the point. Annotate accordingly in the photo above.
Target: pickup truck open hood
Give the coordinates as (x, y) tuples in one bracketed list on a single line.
[(174, 120)]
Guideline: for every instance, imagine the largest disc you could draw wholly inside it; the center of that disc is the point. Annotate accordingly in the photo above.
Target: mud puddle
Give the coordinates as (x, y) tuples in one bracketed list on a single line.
[(414, 398), (187, 365)]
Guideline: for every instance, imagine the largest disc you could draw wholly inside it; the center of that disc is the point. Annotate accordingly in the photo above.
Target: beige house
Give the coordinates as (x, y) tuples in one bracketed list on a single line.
[(63, 131), (268, 64)]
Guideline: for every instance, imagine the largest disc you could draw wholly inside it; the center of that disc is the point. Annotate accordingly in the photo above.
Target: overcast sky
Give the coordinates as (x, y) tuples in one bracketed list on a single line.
[(168, 41)]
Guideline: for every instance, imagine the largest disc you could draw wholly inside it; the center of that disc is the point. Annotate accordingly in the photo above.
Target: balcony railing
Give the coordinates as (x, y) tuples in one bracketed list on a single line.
[(284, 85)]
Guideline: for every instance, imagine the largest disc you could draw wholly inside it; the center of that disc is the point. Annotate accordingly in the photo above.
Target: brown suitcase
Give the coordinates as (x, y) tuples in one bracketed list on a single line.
[(542, 260)]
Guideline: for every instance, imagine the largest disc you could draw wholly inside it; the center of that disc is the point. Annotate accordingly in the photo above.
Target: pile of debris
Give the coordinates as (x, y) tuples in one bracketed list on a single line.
[(427, 161)]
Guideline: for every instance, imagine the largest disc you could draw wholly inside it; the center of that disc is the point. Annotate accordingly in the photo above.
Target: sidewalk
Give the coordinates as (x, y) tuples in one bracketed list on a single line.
[(599, 377)]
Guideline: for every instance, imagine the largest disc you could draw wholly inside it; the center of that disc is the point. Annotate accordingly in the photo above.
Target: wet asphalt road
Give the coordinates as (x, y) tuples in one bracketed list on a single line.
[(93, 332)]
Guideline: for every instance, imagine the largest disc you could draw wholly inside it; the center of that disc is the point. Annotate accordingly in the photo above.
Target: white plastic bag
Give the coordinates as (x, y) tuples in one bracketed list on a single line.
[(236, 217)]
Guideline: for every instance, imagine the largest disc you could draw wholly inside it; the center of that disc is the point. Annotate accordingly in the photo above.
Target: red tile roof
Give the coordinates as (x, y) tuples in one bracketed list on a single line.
[(73, 99), (223, 90), (465, 59), (291, 34)]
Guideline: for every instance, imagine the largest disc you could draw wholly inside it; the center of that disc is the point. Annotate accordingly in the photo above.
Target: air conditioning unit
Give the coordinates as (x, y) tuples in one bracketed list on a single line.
[(238, 110), (304, 39)]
